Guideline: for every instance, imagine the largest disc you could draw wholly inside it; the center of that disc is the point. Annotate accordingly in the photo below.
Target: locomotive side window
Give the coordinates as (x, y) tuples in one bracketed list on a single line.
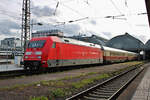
[(36, 44), (54, 45), (66, 40)]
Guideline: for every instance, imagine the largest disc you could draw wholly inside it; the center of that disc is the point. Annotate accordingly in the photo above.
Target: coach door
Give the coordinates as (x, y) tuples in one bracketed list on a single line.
[(101, 60), (55, 54)]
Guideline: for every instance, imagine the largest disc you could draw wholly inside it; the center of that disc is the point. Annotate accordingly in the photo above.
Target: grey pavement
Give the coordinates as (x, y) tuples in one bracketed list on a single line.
[(143, 90), (9, 67)]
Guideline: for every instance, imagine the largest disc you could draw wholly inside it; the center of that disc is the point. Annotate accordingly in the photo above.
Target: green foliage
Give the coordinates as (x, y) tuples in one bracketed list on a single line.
[(133, 63), (85, 82), (81, 84), (101, 76), (45, 83), (77, 85), (58, 92), (67, 78), (91, 73), (59, 83), (52, 83), (39, 98)]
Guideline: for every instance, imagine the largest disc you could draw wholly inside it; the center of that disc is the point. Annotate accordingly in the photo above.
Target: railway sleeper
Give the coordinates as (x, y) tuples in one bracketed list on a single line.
[(109, 88), (116, 82), (91, 98), (98, 96), (114, 86), (103, 93)]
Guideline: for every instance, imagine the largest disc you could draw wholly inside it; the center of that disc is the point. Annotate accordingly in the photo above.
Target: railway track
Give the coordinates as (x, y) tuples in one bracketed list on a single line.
[(109, 89), (16, 73)]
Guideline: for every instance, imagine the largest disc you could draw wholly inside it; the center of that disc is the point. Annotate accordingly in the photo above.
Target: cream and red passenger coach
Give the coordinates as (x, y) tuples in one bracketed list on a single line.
[(117, 55), (54, 51)]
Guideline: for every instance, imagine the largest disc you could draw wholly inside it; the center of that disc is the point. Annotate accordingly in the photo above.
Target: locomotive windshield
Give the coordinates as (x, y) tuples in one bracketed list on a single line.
[(36, 44)]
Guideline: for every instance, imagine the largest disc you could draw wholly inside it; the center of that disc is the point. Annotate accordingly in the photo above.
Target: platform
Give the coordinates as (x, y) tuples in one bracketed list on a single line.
[(6, 61), (143, 90), (9, 67)]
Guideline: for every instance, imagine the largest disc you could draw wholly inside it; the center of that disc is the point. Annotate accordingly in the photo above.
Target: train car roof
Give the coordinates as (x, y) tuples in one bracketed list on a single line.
[(117, 50), (78, 42)]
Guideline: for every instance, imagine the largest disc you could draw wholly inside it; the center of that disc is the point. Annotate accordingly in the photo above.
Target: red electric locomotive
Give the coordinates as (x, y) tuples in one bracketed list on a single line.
[(54, 51)]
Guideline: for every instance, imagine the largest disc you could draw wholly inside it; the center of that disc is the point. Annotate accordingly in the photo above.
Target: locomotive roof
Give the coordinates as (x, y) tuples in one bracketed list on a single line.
[(53, 38), (68, 40), (77, 42)]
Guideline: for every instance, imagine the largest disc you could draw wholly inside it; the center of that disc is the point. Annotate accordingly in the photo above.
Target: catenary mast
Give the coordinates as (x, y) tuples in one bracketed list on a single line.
[(25, 34)]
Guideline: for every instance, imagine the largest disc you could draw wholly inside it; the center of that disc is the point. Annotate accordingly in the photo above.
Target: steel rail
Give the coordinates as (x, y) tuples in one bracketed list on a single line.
[(109, 89), (16, 73)]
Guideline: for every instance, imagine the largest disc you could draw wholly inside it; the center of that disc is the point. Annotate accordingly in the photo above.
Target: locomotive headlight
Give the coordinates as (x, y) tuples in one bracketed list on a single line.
[(28, 53), (39, 57), (26, 57), (38, 53)]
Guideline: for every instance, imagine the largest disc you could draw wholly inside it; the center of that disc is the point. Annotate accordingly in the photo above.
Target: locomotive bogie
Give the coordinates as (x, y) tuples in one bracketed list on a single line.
[(59, 63)]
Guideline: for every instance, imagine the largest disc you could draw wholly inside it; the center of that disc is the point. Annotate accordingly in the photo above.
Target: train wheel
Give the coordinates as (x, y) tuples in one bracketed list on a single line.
[(25, 67)]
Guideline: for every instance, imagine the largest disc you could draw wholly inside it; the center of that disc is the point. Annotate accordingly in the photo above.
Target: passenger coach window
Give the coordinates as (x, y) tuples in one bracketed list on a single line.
[(54, 45)]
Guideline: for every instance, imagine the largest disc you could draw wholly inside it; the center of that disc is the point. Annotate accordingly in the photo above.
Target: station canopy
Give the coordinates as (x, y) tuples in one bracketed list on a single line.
[(147, 45), (126, 42)]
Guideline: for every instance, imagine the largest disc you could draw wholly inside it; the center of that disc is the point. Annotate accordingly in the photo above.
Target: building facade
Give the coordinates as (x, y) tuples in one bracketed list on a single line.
[(126, 42), (11, 43), (47, 33)]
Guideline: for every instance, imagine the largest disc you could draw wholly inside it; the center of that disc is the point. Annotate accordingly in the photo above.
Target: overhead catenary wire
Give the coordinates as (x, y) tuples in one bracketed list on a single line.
[(87, 2), (63, 23), (126, 3), (71, 21), (115, 6), (126, 19), (56, 8), (62, 3), (113, 17), (70, 8)]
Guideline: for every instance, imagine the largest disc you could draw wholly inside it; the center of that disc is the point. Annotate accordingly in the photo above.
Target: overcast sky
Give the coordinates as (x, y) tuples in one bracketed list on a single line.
[(94, 15)]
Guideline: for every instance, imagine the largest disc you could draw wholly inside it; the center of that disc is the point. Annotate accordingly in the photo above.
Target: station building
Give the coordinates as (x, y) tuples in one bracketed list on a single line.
[(45, 33), (92, 39), (126, 42), (147, 49), (11, 43)]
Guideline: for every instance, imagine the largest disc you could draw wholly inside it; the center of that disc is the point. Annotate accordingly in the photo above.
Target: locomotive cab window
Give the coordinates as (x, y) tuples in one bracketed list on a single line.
[(36, 44), (54, 45)]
